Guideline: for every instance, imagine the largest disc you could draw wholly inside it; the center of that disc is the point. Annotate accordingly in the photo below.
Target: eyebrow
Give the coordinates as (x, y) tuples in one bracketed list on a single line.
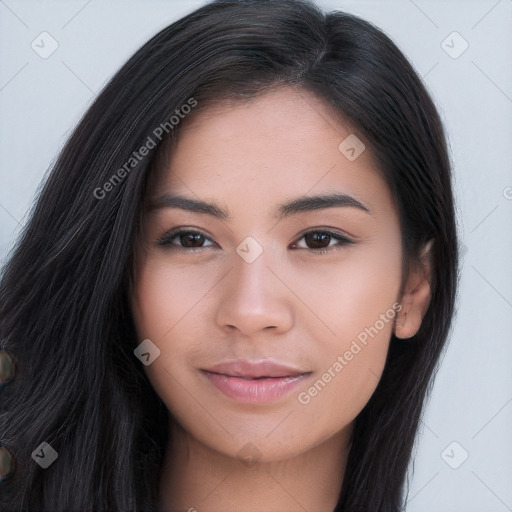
[(293, 207)]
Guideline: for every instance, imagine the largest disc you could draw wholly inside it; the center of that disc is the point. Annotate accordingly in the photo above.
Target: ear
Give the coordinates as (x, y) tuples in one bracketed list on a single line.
[(416, 296)]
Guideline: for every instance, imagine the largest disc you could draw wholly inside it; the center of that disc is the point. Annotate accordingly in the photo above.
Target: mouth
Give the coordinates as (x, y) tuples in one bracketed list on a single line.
[(254, 382)]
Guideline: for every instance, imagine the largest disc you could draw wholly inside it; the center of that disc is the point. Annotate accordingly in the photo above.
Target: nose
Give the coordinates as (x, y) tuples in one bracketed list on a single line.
[(254, 297)]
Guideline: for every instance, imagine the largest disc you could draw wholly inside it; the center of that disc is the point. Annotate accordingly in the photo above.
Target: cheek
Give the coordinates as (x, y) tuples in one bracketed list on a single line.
[(344, 386), (357, 305), (165, 296), (155, 305), (350, 361), (350, 294), (167, 307)]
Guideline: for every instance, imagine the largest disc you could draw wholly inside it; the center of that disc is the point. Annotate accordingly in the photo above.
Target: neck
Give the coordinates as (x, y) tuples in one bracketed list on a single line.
[(196, 478)]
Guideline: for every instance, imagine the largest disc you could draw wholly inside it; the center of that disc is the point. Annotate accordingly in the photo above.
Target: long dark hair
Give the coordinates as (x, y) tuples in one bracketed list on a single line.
[(64, 292)]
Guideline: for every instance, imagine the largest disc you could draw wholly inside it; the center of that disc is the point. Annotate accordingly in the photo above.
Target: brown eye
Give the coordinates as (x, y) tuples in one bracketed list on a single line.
[(316, 240), (191, 239), (319, 242), (186, 239)]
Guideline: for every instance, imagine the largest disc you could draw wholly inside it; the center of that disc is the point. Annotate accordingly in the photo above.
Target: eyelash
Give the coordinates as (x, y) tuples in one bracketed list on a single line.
[(166, 241)]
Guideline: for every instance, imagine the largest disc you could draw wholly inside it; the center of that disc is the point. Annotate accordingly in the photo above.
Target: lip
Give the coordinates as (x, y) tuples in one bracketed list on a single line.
[(256, 369), (254, 382)]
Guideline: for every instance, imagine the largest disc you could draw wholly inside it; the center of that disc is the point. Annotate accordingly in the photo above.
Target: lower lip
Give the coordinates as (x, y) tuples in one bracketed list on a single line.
[(254, 390)]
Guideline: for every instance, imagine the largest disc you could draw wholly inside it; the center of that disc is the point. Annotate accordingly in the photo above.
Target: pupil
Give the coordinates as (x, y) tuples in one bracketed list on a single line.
[(192, 236), (313, 238)]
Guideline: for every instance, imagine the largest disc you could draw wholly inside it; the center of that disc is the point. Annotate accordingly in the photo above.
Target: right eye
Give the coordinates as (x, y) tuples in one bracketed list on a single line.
[(189, 240)]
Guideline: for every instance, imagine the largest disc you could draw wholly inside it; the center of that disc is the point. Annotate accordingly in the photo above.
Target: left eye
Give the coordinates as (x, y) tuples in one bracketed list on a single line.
[(321, 240), (190, 240)]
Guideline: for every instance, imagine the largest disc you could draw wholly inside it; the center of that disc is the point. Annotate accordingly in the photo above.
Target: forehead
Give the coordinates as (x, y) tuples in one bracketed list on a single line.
[(285, 143)]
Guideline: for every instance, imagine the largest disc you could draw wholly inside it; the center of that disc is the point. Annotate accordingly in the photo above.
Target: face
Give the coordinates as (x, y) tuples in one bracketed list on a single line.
[(308, 291)]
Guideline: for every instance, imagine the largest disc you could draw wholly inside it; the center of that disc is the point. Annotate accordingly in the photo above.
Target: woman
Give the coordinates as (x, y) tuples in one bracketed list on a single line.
[(237, 282)]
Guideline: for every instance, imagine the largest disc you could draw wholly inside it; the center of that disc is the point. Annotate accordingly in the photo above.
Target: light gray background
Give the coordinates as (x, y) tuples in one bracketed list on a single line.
[(42, 99)]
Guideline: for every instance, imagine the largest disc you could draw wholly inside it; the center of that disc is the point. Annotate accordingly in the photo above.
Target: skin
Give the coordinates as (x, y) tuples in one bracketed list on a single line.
[(207, 305)]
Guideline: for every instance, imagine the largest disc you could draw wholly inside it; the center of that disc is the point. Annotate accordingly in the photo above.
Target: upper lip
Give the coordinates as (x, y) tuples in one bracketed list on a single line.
[(256, 369)]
